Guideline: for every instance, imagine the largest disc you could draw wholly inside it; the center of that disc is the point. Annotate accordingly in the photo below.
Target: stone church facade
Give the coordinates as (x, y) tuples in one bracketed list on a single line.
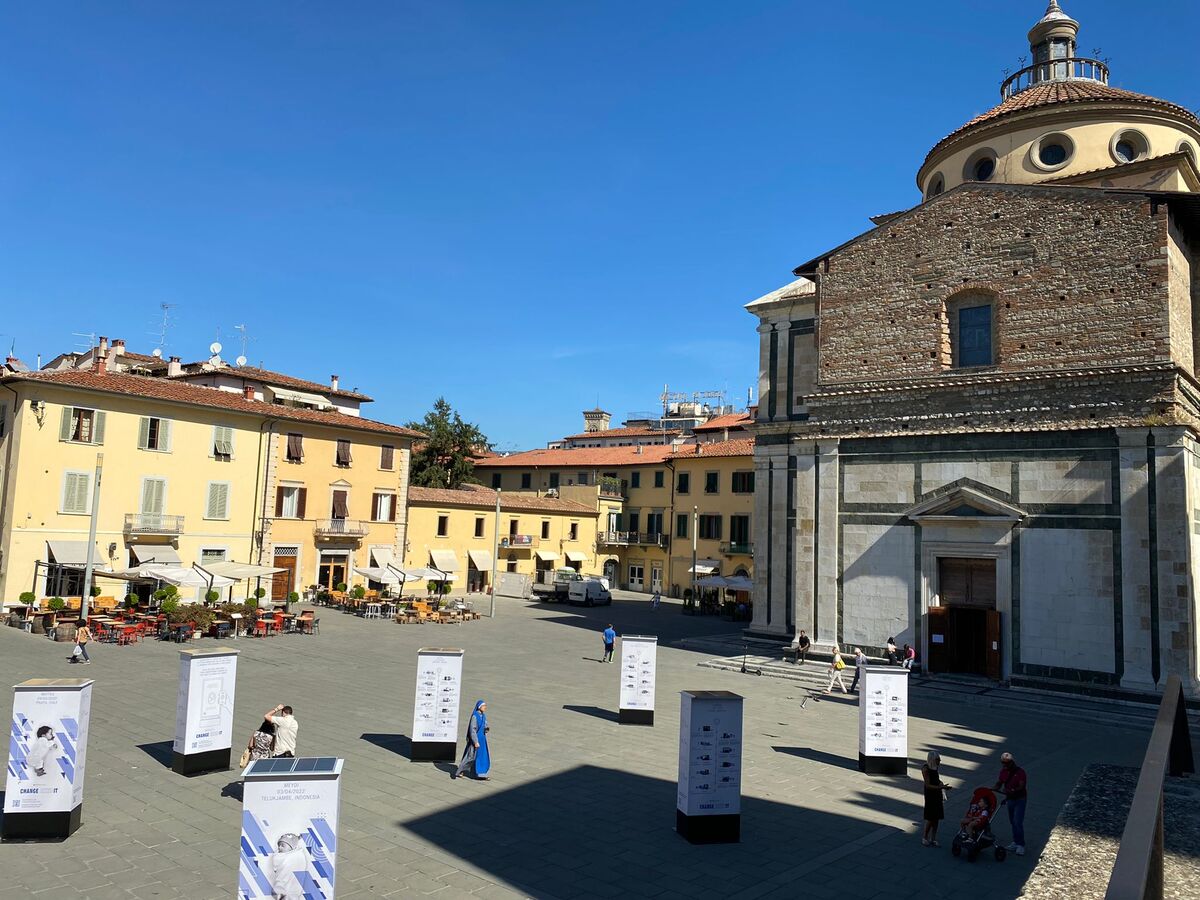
[(977, 428)]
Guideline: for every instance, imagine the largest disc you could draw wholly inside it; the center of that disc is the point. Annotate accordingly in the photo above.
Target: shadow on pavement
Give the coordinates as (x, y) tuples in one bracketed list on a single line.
[(820, 756), (159, 751), (607, 714), (233, 790), (400, 744)]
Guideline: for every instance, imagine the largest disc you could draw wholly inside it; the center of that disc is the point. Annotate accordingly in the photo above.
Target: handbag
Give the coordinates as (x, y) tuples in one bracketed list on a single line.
[(840, 664), (245, 759)]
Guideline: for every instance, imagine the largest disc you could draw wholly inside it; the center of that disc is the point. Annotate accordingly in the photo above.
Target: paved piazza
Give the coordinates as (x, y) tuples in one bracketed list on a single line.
[(578, 806)]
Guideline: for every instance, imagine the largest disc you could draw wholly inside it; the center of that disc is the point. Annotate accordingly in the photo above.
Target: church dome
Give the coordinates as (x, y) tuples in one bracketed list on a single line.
[(1057, 118)]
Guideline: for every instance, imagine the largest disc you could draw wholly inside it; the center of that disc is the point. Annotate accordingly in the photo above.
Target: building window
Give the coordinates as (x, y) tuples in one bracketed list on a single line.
[(935, 186), (654, 523), (658, 478), (210, 555), (972, 344), (635, 479), (387, 457), (709, 528), (634, 521), (383, 507), (981, 166), (154, 433), (222, 443), (3, 419), (683, 482), (339, 507), (573, 532), (77, 493), (295, 448), (712, 482), (1052, 152), (583, 478), (554, 481), (154, 496), (290, 501), (496, 480), (681, 525), (526, 481), (217, 506), (545, 531), (443, 526), (739, 533), (743, 483), (342, 456), (83, 426), (479, 526), (513, 527), (1129, 146)]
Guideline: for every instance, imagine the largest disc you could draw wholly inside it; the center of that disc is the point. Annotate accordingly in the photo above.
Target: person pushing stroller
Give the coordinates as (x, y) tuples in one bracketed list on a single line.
[(975, 829)]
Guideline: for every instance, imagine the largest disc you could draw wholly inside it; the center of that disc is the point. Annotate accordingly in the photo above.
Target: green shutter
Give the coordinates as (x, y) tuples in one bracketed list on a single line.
[(75, 493), (68, 419), (97, 427), (218, 500), (164, 434), (143, 433), (153, 490)]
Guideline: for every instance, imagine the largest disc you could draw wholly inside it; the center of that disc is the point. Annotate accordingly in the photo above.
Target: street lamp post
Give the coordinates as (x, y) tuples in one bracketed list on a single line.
[(495, 555), (695, 530), (86, 600)]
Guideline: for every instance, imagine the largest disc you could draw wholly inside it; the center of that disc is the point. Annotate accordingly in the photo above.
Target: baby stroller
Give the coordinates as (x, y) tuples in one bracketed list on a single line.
[(983, 804)]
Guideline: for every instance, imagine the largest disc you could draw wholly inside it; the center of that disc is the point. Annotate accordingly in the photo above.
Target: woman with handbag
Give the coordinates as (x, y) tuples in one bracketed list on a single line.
[(835, 671), (261, 744)]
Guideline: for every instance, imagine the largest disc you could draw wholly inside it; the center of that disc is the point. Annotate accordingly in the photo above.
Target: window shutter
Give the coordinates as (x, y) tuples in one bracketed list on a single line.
[(75, 493), (339, 505), (67, 424), (278, 502), (375, 499), (97, 427), (392, 508), (387, 456), (218, 500), (164, 434), (143, 433), (301, 502), (152, 496)]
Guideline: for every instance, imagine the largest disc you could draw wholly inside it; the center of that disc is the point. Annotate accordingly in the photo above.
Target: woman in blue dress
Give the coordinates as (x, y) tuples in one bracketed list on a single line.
[(475, 754)]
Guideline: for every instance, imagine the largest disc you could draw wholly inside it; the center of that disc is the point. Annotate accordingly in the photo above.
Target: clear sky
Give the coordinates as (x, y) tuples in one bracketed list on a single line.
[(529, 207)]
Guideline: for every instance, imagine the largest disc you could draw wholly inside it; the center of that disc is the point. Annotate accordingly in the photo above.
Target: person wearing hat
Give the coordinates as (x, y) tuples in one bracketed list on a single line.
[(1012, 781), (935, 809)]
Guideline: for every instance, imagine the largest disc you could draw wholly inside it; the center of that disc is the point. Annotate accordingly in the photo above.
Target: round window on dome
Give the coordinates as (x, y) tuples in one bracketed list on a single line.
[(981, 166), (935, 186), (1129, 146), (1052, 152)]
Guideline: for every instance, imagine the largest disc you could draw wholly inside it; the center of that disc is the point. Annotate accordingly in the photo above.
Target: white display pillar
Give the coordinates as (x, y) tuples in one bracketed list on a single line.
[(883, 720), (638, 662), (204, 711), (709, 798), (289, 828), (435, 712), (47, 751)]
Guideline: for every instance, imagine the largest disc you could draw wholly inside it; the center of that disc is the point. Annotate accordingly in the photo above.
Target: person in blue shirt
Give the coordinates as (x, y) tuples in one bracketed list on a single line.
[(610, 638)]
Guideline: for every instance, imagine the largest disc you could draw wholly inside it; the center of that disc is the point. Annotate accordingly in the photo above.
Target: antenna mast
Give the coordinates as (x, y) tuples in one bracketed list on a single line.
[(164, 325)]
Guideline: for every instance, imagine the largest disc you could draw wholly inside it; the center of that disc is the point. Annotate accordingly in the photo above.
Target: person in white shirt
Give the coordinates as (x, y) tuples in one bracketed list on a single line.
[(44, 746), (286, 727)]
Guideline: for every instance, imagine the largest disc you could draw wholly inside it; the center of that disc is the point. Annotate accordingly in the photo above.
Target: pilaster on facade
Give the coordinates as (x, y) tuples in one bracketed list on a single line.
[(827, 562), (401, 536), (1134, 497), (266, 511)]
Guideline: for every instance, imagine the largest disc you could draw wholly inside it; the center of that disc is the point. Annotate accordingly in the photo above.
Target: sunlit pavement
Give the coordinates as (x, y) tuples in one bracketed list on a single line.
[(578, 805)]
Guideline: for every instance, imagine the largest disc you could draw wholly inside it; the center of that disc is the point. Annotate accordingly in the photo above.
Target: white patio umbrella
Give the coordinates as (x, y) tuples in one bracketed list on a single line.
[(712, 581), (739, 583), (183, 577)]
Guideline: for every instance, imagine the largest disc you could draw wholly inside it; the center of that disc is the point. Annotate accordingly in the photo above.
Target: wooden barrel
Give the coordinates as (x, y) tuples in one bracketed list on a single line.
[(65, 632), (39, 625)]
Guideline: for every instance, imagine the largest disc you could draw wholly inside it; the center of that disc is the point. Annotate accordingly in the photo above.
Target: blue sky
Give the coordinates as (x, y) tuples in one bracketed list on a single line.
[(527, 207)]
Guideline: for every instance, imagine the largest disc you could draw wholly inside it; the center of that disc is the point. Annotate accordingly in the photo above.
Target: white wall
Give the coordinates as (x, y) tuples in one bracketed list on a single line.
[(877, 584)]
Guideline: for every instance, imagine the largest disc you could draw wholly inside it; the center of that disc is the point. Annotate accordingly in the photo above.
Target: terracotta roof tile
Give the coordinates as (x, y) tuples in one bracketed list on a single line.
[(180, 392), (266, 376), (623, 432), (1052, 92), (603, 457), (738, 447), (732, 420), (477, 495)]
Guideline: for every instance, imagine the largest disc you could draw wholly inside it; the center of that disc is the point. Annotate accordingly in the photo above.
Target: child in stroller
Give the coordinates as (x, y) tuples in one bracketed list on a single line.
[(975, 830)]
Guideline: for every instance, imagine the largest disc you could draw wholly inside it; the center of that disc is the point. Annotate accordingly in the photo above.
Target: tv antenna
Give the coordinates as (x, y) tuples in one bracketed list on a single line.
[(245, 339), (164, 326), (86, 342)]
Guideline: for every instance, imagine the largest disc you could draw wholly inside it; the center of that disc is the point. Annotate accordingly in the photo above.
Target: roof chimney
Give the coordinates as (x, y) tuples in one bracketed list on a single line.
[(103, 346), (248, 391), (699, 449), (333, 382), (118, 346), (174, 367), (101, 364)]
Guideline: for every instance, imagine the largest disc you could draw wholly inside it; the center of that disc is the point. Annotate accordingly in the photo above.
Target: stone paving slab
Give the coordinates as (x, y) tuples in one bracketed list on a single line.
[(579, 806)]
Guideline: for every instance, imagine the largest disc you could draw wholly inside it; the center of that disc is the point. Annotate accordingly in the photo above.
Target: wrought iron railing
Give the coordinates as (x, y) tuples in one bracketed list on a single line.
[(630, 538), (738, 548), (153, 523), (517, 541), (1074, 68), (340, 528)]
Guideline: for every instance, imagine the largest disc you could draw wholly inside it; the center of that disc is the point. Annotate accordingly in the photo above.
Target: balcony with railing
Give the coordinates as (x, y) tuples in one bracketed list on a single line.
[(738, 548), (613, 488), (153, 523), (340, 528), (1073, 68), (632, 539), (517, 542)]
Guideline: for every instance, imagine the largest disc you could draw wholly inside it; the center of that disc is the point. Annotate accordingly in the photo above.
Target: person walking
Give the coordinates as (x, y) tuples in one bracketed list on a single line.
[(610, 638), (83, 636), (1012, 780), (286, 727), (802, 645), (836, 665), (935, 791), (476, 755), (860, 662), (656, 600)]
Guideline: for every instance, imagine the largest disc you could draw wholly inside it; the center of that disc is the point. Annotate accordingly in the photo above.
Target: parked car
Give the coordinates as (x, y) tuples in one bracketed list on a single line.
[(588, 592)]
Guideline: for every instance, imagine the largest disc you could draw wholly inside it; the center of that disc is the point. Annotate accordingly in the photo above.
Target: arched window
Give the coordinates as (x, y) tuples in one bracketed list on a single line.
[(971, 317)]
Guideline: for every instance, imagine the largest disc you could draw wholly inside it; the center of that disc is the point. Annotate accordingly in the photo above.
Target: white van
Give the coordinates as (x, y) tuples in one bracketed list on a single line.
[(589, 592)]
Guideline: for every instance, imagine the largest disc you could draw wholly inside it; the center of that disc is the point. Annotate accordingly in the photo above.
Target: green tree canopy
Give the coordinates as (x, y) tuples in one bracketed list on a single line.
[(445, 457)]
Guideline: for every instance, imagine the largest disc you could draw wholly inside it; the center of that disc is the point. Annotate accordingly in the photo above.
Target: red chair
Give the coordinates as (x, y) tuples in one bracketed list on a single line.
[(279, 623)]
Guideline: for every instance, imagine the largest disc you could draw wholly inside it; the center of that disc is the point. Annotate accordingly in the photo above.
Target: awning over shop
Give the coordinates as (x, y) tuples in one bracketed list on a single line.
[(481, 559), (382, 557), (72, 553), (739, 583), (576, 556), (546, 555), (160, 554), (706, 566), (236, 571), (712, 581), (445, 560)]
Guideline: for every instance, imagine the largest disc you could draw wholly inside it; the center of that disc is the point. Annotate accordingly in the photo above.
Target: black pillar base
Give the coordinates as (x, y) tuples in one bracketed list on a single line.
[(709, 829), (883, 765), (636, 716), (196, 763), (41, 826), (434, 751)]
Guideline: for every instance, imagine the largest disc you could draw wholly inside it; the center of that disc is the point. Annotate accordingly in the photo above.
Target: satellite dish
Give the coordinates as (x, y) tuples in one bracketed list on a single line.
[(240, 361), (214, 348), (158, 353)]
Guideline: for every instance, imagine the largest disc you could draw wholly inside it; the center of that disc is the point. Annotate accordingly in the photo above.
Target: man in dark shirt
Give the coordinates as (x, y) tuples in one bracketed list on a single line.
[(1012, 781), (802, 645)]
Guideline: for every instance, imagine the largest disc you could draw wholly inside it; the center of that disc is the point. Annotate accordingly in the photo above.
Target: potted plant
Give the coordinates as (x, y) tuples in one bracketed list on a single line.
[(212, 596), (358, 592), (27, 598), (130, 600)]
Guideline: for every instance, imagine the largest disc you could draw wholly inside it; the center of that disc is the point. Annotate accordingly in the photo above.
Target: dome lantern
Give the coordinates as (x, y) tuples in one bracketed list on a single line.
[(1052, 45)]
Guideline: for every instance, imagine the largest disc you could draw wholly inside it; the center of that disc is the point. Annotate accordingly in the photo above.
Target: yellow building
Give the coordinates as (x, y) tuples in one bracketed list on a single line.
[(192, 474), (457, 531), (652, 499)]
